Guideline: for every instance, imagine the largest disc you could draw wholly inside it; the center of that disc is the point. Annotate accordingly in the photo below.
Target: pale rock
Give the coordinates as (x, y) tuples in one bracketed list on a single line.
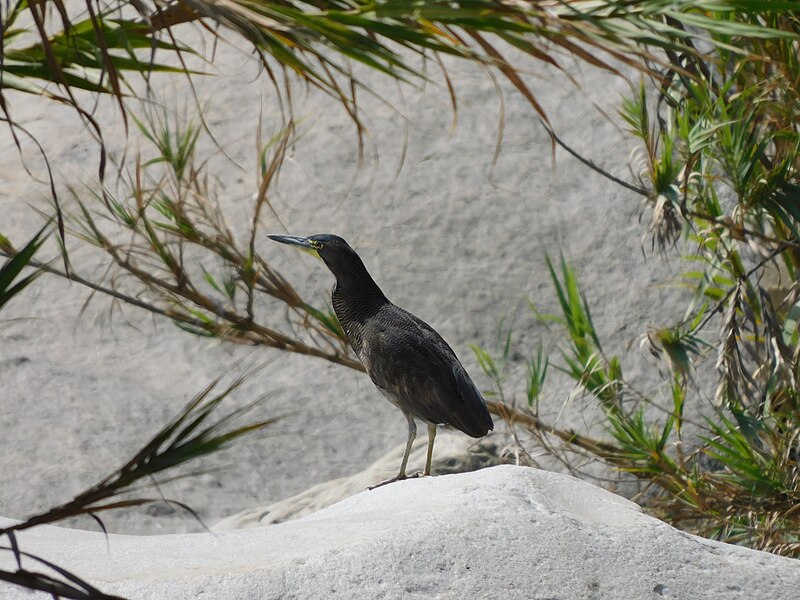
[(454, 453), (501, 532)]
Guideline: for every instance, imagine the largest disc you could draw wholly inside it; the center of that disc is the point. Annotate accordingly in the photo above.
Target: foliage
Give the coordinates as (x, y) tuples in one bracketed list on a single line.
[(733, 477), (96, 48), (725, 174), (13, 267), (180, 258), (72, 52), (719, 173), (192, 434)]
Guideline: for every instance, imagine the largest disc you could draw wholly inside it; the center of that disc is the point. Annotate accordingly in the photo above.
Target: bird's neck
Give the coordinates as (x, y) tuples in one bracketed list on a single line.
[(355, 292)]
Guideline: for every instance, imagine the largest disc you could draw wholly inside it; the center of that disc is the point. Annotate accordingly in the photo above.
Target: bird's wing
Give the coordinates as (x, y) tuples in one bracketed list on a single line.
[(415, 367)]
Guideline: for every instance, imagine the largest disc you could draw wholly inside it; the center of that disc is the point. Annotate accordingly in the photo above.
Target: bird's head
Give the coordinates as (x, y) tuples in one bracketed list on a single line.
[(336, 253)]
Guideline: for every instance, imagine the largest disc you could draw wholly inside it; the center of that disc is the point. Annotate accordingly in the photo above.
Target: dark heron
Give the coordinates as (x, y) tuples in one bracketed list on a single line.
[(411, 365)]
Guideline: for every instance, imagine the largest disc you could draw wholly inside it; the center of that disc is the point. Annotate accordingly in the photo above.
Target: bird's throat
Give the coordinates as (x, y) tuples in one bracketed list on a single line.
[(357, 299)]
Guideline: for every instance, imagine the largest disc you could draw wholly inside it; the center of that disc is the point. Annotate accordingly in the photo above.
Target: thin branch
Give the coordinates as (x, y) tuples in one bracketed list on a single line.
[(593, 166)]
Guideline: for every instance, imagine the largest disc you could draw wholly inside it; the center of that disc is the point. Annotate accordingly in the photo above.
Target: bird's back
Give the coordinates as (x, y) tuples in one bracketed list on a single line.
[(417, 370)]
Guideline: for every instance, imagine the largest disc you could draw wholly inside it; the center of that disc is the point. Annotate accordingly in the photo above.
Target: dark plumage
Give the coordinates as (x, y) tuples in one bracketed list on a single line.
[(412, 366)]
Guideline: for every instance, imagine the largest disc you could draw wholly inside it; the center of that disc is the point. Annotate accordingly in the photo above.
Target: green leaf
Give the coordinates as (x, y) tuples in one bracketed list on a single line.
[(12, 268)]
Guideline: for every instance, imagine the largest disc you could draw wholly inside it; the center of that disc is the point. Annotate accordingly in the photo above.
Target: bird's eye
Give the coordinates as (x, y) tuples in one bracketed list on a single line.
[(316, 245)]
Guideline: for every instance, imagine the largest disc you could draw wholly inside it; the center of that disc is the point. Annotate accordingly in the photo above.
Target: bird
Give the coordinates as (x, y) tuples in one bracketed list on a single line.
[(407, 360)]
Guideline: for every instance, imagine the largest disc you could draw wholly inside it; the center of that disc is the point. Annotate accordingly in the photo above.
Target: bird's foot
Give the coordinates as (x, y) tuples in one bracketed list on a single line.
[(388, 481), (399, 477)]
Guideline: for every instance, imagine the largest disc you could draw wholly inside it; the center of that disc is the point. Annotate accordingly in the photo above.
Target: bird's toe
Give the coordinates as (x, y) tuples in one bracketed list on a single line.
[(388, 481)]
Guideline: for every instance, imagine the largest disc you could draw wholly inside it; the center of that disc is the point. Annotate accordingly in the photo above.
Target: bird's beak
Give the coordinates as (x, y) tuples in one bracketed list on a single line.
[(298, 242)]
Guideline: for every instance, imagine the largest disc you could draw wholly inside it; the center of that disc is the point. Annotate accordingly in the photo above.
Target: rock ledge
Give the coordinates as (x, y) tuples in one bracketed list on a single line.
[(502, 532)]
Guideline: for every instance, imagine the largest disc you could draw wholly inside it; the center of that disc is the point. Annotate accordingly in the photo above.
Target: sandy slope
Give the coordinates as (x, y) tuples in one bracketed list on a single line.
[(447, 237)]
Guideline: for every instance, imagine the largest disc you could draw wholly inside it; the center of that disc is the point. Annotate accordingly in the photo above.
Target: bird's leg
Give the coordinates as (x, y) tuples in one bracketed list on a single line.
[(431, 437), (412, 433)]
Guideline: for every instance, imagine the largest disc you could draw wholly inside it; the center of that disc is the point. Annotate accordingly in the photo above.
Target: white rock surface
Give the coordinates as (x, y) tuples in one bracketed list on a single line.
[(454, 453), (503, 532)]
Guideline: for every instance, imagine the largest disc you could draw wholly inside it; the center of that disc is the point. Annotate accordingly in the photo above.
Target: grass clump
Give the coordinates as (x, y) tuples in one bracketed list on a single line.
[(719, 171)]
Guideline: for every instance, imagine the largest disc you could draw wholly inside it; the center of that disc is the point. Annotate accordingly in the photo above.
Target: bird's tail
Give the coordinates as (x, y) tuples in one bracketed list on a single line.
[(476, 420)]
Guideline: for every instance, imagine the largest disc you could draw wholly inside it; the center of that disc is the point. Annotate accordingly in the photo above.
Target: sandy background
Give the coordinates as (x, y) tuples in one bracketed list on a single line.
[(456, 243)]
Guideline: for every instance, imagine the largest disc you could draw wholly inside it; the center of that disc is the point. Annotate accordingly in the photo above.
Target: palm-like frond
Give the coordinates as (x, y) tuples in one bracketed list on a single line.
[(316, 39), (194, 433)]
